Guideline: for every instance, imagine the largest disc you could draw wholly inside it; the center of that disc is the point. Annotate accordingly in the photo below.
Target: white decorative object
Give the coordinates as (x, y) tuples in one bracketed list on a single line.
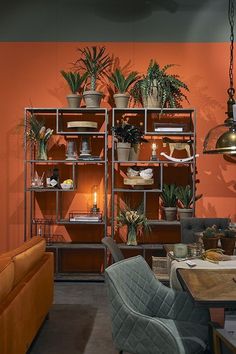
[(131, 172), (147, 173), (187, 159)]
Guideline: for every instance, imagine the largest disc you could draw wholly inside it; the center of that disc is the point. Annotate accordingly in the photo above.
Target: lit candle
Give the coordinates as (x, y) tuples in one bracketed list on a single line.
[(154, 147), (154, 153), (95, 198)]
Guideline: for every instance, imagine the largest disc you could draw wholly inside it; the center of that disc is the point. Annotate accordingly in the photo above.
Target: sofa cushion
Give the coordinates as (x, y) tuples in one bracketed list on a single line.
[(6, 276), (26, 256)]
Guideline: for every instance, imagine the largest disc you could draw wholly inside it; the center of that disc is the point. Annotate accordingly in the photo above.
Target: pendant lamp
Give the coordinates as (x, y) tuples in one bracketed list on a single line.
[(222, 138)]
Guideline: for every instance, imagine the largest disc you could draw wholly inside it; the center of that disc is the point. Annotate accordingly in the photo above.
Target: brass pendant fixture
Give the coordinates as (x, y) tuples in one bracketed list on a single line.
[(222, 138)]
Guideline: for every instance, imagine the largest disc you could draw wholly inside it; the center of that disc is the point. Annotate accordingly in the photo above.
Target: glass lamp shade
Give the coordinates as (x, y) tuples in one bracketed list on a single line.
[(221, 140)]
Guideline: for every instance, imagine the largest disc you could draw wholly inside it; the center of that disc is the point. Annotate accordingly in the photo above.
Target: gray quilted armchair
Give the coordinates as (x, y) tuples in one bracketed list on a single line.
[(150, 318)]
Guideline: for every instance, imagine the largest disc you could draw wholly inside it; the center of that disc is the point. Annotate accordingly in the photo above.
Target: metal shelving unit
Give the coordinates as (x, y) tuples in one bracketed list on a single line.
[(147, 117), (56, 119)]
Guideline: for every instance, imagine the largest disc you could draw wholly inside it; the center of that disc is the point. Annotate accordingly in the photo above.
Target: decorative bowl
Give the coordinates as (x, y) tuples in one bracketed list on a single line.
[(66, 185)]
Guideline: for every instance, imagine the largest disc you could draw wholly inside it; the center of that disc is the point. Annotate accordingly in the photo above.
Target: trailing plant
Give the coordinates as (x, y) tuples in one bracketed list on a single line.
[(121, 82), (169, 87), (74, 80), (127, 133), (185, 196), (95, 62), (168, 195)]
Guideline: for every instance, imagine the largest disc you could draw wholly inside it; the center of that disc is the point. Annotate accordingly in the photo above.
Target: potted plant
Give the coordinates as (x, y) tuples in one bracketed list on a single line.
[(74, 81), (210, 237), (95, 62), (136, 223), (227, 239), (185, 201), (158, 88), (122, 83), (129, 138), (169, 201)]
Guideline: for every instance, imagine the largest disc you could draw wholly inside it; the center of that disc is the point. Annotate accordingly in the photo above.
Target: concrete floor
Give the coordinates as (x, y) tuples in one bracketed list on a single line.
[(91, 297)]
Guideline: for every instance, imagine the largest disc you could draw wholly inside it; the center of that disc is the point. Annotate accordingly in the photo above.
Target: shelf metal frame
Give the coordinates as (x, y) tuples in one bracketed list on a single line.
[(191, 112), (29, 169)]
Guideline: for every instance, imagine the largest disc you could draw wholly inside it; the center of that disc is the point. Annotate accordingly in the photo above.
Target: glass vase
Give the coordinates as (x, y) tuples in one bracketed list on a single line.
[(42, 150), (132, 235)]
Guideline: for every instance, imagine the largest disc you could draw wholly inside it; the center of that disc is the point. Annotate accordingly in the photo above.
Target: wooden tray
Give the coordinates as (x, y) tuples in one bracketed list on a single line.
[(83, 124), (138, 181)]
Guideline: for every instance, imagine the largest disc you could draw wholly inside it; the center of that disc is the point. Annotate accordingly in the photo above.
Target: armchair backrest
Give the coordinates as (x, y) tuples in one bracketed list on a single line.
[(132, 282), (116, 253), (191, 225)]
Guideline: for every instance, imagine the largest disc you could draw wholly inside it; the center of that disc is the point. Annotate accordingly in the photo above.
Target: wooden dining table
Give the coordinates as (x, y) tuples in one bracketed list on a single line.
[(212, 288)]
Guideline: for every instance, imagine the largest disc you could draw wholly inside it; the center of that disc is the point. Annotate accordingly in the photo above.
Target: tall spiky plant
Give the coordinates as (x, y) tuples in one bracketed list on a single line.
[(95, 61), (74, 80), (168, 195), (121, 82)]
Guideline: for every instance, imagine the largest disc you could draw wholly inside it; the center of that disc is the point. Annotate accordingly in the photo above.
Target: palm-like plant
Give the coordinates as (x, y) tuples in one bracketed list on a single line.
[(168, 195), (169, 87), (121, 82), (74, 80), (185, 196), (95, 62)]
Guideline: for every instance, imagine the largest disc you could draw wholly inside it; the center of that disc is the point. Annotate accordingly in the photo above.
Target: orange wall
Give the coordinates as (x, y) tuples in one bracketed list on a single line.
[(30, 77)]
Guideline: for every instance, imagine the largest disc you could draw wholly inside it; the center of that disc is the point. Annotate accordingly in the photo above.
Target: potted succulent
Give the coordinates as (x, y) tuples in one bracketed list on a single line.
[(74, 81), (227, 239), (169, 201), (95, 62), (129, 138), (122, 83), (158, 88), (184, 196), (210, 237)]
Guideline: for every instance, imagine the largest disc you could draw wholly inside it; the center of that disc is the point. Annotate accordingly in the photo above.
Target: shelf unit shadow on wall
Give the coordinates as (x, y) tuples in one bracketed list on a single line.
[(177, 124), (72, 220)]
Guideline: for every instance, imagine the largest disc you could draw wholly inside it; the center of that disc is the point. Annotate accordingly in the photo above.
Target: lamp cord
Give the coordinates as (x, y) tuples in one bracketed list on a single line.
[(231, 90)]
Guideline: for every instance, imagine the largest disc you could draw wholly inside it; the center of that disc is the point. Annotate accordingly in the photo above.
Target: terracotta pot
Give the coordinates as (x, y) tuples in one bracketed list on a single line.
[(73, 100), (92, 99), (121, 99), (134, 152), (170, 213), (210, 242), (123, 150), (228, 244), (185, 213)]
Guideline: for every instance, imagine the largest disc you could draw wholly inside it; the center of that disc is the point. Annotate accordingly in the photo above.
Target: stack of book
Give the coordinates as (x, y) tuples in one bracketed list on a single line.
[(170, 127), (85, 217)]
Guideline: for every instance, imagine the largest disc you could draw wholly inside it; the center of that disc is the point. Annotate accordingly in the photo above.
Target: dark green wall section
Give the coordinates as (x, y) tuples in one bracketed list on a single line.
[(112, 20)]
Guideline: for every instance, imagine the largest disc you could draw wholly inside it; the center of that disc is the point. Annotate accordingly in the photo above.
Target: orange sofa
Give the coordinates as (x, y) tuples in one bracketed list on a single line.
[(26, 294)]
